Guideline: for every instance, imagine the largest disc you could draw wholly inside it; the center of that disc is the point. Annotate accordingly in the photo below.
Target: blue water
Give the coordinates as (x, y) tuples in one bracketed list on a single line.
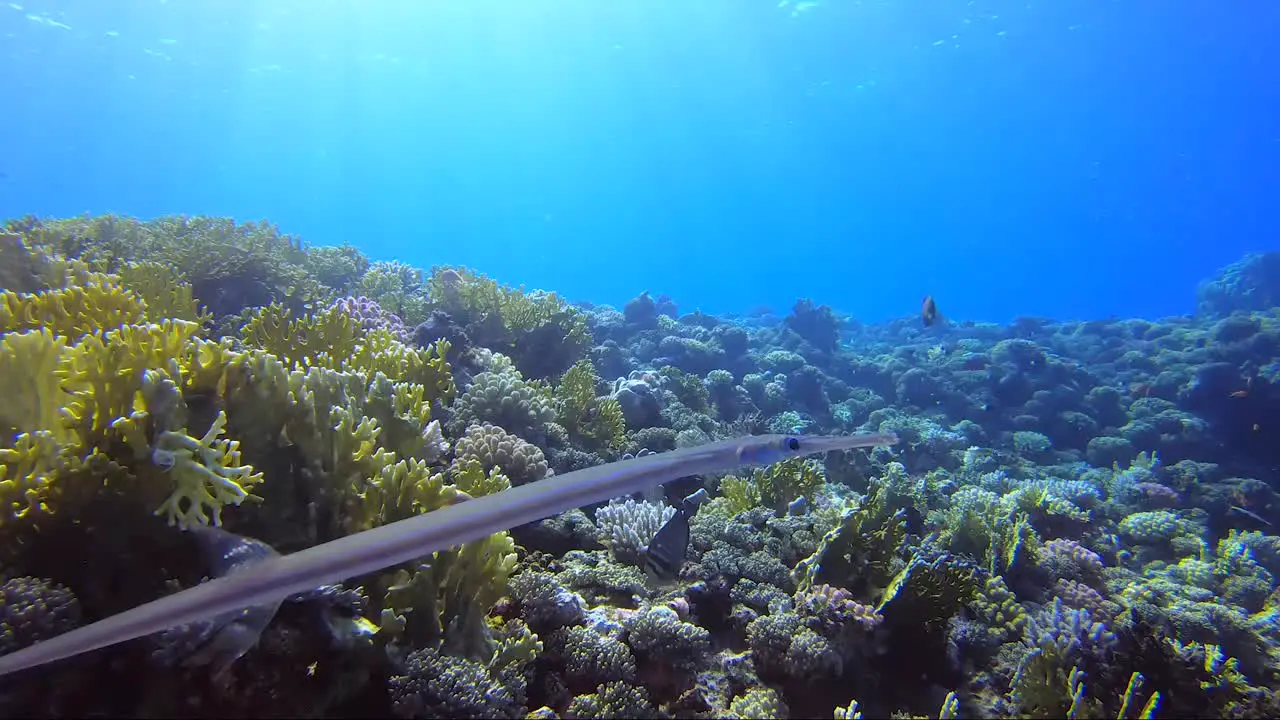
[(1064, 159)]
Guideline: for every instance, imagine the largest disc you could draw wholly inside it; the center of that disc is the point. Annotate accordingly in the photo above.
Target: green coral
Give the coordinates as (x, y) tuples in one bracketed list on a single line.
[(657, 634), (505, 399), (337, 266), (774, 487), (100, 303), (433, 684), (979, 525), (1157, 527), (332, 339), (848, 712), (212, 254), (492, 447), (397, 288), (689, 389), (20, 267), (591, 658), (759, 702), (998, 610), (596, 421), (862, 554), (207, 474), (613, 700)]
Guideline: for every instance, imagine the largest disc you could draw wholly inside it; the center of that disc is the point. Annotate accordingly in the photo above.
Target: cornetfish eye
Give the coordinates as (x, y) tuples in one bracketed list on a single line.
[(791, 443)]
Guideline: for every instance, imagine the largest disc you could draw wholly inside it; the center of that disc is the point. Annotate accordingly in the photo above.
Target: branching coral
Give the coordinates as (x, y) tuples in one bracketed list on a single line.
[(398, 288), (207, 473), (89, 397), (34, 397), (334, 339), (230, 266), (483, 300), (998, 609), (26, 470), (978, 524), (99, 304), (627, 526), (166, 294), (104, 373), (597, 421), (862, 554), (540, 331), (444, 601), (774, 487), (1048, 681)]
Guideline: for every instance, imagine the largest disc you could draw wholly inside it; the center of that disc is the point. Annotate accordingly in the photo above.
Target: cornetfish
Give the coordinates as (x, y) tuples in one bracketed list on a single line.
[(276, 578)]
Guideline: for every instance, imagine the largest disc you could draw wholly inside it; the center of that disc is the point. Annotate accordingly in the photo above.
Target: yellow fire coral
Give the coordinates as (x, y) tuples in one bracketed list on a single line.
[(319, 340), (166, 294), (206, 472), (104, 373), (482, 299), (99, 304), (332, 339), (77, 391), (29, 363), (25, 470)]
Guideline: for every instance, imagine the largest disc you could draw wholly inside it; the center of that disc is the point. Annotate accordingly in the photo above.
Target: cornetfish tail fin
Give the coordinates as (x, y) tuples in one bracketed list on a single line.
[(272, 579)]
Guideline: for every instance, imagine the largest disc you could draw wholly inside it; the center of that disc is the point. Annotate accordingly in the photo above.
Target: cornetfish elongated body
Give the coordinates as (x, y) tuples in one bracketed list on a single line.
[(276, 578)]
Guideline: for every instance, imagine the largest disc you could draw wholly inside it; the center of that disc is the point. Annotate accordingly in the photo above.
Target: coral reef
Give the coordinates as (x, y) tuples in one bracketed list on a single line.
[(1079, 521)]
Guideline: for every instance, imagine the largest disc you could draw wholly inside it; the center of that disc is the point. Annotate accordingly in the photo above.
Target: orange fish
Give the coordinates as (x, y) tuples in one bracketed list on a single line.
[(929, 311)]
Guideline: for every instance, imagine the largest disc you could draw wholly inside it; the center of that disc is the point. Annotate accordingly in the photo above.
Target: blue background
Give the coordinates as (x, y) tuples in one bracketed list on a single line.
[(1065, 159)]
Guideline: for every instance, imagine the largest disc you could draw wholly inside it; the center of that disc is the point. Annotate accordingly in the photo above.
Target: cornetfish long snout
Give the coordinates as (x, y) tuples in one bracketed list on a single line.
[(276, 578)]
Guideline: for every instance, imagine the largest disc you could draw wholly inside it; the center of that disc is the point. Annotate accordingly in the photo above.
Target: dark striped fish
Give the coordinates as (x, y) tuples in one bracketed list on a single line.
[(665, 554)]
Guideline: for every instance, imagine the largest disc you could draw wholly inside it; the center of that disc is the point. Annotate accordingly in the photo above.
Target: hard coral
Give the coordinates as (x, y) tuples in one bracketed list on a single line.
[(100, 303), (230, 266), (540, 331), (336, 340), (597, 421), (436, 685), (370, 315), (774, 487), (207, 473), (32, 610), (492, 446), (444, 601), (89, 397), (504, 398), (627, 526)]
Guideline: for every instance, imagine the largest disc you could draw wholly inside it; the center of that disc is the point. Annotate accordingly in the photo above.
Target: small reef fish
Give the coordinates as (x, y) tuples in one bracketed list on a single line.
[(275, 578), (929, 311), (665, 554), (221, 640)]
